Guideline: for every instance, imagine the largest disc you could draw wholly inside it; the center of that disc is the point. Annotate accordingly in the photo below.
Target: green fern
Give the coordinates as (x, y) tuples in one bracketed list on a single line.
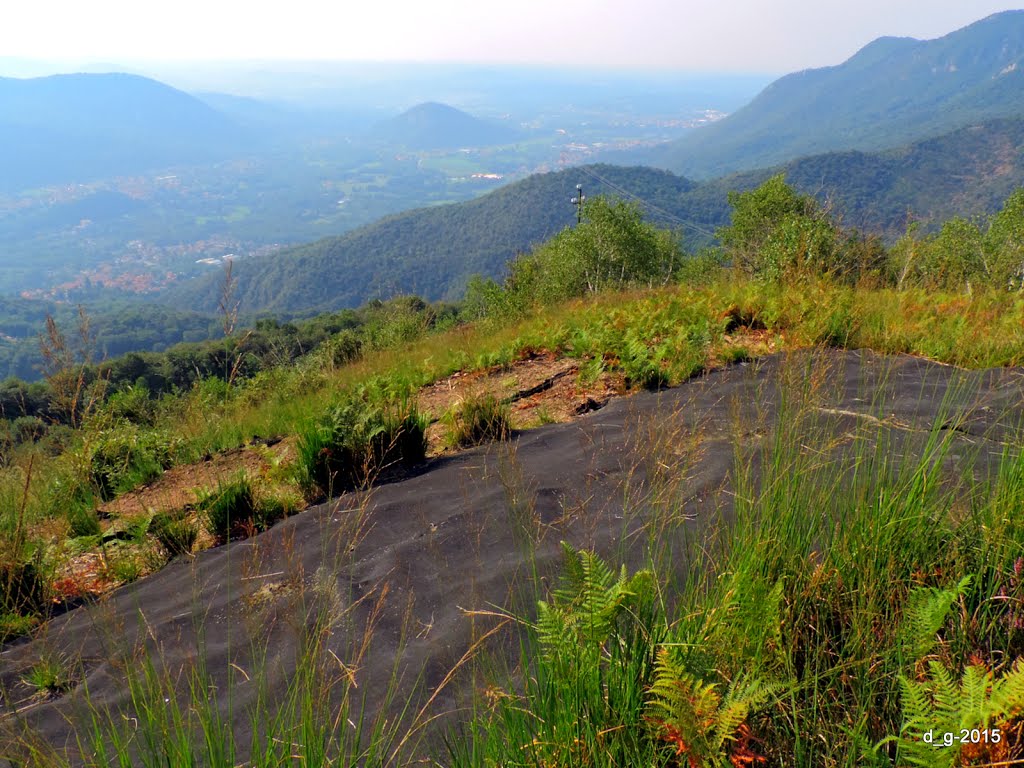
[(925, 613), (586, 609), (694, 716), (940, 704)]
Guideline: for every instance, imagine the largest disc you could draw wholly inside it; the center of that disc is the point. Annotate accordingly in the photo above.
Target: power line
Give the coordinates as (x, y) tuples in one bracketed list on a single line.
[(645, 203)]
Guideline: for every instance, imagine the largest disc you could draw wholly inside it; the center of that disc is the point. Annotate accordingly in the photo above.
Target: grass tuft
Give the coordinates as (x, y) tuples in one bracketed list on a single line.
[(50, 676), (176, 536), (231, 508), (477, 420)]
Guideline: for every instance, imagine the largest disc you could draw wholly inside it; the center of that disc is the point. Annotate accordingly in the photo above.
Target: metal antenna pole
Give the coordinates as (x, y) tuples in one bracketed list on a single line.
[(578, 202)]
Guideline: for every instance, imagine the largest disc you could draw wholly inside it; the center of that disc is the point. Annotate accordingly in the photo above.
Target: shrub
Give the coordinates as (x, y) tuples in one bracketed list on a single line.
[(612, 249), (964, 253), (176, 536), (343, 348), (354, 441), (478, 420), (702, 268), (398, 321), (134, 404), (776, 233), (126, 457), (28, 429)]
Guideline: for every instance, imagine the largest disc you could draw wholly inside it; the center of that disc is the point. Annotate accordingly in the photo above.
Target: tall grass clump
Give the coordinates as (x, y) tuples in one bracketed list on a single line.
[(232, 508), (176, 535), (477, 420), (862, 586), (126, 456), (598, 687), (23, 593), (356, 440)]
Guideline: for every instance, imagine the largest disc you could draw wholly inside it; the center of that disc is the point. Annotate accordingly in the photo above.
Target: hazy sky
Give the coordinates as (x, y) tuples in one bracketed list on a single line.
[(723, 35)]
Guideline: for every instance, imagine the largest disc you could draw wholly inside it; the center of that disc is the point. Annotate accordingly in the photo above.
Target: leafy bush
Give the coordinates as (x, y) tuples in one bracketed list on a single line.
[(343, 348), (355, 440), (777, 233), (702, 268), (964, 253), (398, 321), (28, 429), (133, 404), (478, 420), (612, 249), (125, 457), (176, 536)]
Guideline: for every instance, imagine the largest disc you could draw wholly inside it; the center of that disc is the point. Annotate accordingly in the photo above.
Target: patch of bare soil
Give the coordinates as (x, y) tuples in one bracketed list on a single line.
[(179, 487), (756, 342), (538, 390), (541, 389), (175, 492)]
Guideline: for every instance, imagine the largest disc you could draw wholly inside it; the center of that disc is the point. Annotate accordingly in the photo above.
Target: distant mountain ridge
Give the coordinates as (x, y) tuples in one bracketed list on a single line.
[(892, 92), (78, 127), (432, 251), (438, 126)]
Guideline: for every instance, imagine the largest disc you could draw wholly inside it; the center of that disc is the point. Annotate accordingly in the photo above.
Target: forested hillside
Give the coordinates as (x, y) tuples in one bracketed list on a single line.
[(431, 251), (967, 172)]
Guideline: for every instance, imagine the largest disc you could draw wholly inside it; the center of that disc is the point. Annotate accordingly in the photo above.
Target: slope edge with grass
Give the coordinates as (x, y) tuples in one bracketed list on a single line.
[(797, 531)]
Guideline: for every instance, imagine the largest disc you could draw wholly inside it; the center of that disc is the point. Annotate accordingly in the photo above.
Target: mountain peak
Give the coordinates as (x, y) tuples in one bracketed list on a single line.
[(433, 125), (882, 48)]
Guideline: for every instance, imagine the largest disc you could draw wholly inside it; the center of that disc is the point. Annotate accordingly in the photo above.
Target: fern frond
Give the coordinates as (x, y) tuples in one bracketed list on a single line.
[(975, 691), (941, 704), (573, 573), (925, 612), (1008, 694), (693, 712)]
